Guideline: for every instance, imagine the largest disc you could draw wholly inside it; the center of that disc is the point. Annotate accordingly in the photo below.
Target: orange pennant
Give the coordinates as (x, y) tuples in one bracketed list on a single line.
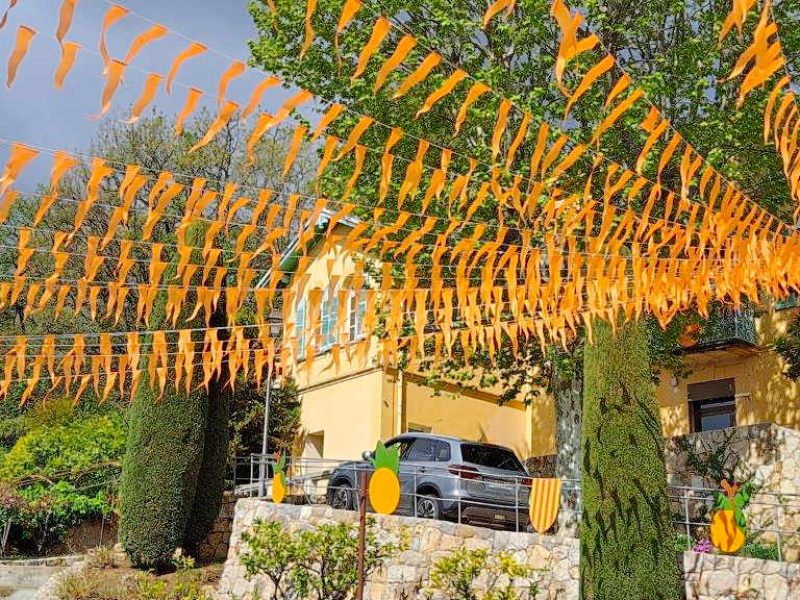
[(25, 35), (350, 9), (329, 117), (311, 6), (225, 114), (65, 19), (114, 14), (4, 19), (420, 73), (116, 69), (194, 49), (69, 51), (496, 8), (154, 33), (258, 92), (592, 75), (500, 126), (62, 162), (404, 47), (475, 92), (379, 33), (148, 95), (236, 69), (18, 159), (192, 99), (446, 88)]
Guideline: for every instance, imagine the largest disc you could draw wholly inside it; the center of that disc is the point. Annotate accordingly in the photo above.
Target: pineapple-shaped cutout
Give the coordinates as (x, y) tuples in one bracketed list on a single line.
[(279, 479), (384, 486), (728, 525)]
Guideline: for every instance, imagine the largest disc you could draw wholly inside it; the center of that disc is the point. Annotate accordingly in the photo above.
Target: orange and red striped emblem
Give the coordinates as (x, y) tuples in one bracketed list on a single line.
[(545, 502)]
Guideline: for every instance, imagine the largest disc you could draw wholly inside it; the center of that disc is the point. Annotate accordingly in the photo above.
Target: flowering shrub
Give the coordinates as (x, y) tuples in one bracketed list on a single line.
[(703, 547)]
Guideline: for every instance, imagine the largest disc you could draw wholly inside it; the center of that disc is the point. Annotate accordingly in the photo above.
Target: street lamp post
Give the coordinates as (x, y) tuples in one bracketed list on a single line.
[(274, 321)]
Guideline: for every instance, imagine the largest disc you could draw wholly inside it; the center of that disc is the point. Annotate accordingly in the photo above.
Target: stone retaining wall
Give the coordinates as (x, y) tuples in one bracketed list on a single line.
[(555, 559), (717, 577)]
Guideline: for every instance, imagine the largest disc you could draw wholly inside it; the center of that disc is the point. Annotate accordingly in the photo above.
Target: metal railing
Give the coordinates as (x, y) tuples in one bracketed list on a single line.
[(772, 518), (727, 326)]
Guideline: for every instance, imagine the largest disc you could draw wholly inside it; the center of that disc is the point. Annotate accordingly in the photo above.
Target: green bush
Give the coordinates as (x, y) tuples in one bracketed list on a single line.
[(317, 564), (456, 577), (159, 473), (758, 550), (627, 540), (58, 475)]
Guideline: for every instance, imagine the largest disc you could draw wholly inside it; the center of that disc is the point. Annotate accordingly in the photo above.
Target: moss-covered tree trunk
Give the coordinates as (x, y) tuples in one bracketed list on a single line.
[(627, 540), (160, 472)]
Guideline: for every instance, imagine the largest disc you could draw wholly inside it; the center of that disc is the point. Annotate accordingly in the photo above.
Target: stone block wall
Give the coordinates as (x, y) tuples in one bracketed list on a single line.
[(555, 559), (717, 577), (215, 546)]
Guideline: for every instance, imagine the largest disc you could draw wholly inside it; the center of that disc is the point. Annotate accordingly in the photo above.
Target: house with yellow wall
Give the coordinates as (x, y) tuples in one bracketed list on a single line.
[(350, 400)]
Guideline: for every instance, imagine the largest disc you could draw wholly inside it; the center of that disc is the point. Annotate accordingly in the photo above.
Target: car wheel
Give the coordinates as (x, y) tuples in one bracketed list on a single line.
[(341, 496), (428, 507)]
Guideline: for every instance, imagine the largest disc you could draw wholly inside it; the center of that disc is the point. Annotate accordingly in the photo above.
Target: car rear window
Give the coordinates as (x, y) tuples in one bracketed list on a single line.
[(492, 457)]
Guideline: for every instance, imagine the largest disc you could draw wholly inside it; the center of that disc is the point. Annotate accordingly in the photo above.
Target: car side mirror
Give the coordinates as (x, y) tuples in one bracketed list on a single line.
[(366, 455)]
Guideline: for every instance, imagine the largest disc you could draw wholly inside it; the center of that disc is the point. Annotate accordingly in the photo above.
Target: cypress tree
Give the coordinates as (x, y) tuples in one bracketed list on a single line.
[(627, 540), (160, 472)]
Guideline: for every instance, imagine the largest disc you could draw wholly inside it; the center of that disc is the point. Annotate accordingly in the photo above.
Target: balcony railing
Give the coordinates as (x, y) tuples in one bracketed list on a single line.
[(727, 327)]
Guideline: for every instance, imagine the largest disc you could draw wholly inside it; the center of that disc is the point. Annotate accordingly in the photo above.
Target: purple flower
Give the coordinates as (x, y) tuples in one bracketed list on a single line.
[(703, 547)]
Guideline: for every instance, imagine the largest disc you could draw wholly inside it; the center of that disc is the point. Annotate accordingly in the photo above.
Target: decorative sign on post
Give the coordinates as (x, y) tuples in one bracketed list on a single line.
[(728, 523), (279, 479), (384, 486), (545, 502)]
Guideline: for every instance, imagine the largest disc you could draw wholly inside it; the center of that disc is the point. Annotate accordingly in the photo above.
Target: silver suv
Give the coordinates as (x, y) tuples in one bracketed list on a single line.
[(447, 478)]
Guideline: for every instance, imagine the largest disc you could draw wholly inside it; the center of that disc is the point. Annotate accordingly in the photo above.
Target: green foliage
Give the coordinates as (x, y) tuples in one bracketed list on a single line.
[(683, 542), (737, 504), (247, 418), (788, 347), (627, 540), (386, 457), (160, 473), (318, 564), (758, 550), (457, 577), (58, 475)]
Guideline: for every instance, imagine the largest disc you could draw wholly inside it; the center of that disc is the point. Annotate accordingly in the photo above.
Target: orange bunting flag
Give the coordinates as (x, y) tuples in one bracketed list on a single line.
[(236, 69), (194, 49), (65, 19), (225, 114), (349, 11), (592, 75), (500, 126), (329, 117), (311, 7), (192, 99), (736, 17), (294, 148), (495, 8), (69, 51), (114, 14), (475, 92), (387, 161), (258, 93), (522, 133), (615, 114), (401, 52), (379, 33), (156, 32), (355, 135), (148, 95), (420, 73), (99, 172), (116, 69), (62, 162), (446, 88), (570, 46), (25, 35), (4, 19), (18, 159)]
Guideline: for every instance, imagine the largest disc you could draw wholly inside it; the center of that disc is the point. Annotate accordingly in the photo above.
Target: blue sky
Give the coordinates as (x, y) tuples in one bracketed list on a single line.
[(34, 112)]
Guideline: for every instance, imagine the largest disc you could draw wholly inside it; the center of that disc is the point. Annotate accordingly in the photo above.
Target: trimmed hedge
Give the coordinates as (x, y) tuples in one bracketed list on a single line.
[(160, 473), (211, 481), (627, 540)]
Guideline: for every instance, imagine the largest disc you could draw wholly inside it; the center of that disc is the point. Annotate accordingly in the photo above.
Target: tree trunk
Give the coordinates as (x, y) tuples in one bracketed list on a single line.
[(627, 540), (567, 391)]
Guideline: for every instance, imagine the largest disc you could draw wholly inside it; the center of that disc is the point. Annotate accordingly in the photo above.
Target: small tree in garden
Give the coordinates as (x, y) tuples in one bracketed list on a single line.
[(456, 577), (317, 564)]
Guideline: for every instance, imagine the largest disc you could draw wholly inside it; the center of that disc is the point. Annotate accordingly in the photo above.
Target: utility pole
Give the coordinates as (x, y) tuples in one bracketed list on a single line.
[(362, 533)]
